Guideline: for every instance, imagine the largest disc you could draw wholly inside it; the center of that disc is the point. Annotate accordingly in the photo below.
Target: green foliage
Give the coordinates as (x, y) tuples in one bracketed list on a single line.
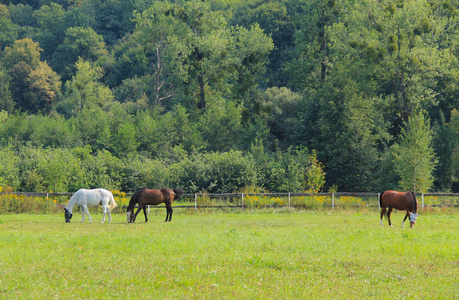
[(414, 156), (84, 90), (220, 126), (9, 171), (34, 85), (79, 44), (25, 50), (8, 30), (6, 99), (281, 107), (169, 80), (224, 172)]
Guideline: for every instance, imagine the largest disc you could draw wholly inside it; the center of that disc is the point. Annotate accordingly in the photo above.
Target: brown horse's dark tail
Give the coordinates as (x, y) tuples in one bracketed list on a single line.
[(415, 209), (381, 205), (380, 199)]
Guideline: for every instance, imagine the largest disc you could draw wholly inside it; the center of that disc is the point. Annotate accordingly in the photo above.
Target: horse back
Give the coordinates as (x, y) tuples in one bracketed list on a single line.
[(145, 196), (398, 200), (92, 197)]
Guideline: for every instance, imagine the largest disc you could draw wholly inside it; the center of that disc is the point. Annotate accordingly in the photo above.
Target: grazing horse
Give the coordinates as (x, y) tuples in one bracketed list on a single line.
[(85, 198), (400, 201), (144, 197)]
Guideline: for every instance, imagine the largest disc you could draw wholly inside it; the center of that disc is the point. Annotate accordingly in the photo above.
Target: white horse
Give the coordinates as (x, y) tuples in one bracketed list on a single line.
[(85, 198)]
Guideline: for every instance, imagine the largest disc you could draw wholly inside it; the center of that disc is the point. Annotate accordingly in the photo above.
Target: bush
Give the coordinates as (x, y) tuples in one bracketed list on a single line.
[(11, 203)]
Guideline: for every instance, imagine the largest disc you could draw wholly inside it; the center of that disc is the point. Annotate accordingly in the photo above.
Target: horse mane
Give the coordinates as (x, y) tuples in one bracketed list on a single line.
[(415, 203), (73, 199), (134, 200)]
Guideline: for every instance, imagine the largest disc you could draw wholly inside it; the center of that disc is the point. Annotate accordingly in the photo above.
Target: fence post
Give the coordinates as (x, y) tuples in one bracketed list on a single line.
[(422, 200), (333, 200), (289, 199), (195, 201), (379, 196), (242, 196)]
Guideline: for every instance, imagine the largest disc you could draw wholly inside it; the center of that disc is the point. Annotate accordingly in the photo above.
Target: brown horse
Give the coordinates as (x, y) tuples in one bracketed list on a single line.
[(400, 201), (144, 197)]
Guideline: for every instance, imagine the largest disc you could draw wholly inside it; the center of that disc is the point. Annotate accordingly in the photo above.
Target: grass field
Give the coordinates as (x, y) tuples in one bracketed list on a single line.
[(250, 255)]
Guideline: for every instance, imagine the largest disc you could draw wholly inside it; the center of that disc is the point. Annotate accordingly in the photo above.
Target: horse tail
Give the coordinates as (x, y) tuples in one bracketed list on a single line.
[(111, 202), (415, 203), (380, 199)]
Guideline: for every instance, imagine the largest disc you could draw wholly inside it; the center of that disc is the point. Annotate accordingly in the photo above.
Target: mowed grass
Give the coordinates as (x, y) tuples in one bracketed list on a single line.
[(240, 255)]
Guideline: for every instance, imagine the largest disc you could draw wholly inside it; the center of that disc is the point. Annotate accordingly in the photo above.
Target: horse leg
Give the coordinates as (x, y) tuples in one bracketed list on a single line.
[(145, 213), (82, 213), (383, 212), (104, 210), (388, 215), (109, 215), (406, 216), (86, 210), (136, 213), (169, 212)]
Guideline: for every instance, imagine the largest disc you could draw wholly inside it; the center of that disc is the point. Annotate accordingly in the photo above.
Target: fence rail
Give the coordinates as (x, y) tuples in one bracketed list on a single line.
[(371, 199)]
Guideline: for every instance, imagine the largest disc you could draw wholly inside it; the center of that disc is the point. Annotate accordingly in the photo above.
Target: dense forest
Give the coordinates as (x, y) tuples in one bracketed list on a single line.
[(229, 95)]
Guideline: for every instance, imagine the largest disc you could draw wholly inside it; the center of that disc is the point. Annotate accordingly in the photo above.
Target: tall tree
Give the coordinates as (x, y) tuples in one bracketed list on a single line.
[(8, 30), (341, 124), (78, 43), (309, 60), (6, 100), (276, 19), (194, 46), (84, 90), (51, 32), (34, 85), (399, 45), (209, 42), (415, 159), (162, 36)]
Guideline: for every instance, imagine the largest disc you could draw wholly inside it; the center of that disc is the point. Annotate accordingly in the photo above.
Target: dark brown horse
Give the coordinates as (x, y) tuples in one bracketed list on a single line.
[(144, 197), (400, 201)]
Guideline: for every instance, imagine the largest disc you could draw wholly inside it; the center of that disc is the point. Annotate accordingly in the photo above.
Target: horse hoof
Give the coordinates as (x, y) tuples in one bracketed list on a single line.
[(101, 221)]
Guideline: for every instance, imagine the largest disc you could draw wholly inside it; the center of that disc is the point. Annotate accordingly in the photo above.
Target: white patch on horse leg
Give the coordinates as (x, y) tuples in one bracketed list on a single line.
[(381, 223), (402, 223)]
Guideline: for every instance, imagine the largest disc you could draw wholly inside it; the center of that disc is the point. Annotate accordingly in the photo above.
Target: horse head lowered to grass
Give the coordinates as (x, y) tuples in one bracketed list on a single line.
[(144, 197), (400, 201), (85, 198)]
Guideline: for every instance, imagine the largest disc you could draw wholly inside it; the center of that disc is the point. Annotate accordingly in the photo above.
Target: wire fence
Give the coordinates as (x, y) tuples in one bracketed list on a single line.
[(266, 200)]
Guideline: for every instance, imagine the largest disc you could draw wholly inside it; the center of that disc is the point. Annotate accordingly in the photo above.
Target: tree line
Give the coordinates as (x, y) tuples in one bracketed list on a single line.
[(280, 95)]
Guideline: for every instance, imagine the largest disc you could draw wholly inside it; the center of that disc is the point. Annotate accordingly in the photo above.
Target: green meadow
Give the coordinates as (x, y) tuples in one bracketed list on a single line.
[(254, 254)]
